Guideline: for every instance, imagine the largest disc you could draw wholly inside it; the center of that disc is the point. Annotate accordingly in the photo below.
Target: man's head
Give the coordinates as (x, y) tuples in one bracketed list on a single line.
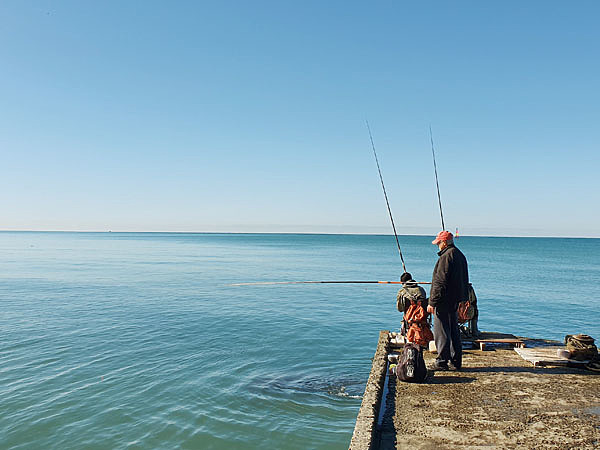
[(405, 277), (443, 239)]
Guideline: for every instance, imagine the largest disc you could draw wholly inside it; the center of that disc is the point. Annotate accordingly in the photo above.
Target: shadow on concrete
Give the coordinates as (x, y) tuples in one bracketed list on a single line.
[(386, 428), (513, 369), (438, 378)]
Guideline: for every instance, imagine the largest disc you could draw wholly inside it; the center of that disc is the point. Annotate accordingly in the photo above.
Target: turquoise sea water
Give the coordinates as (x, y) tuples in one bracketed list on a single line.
[(135, 340)]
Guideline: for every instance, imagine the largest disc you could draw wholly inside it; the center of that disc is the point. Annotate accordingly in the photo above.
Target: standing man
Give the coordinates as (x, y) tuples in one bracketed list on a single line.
[(449, 286)]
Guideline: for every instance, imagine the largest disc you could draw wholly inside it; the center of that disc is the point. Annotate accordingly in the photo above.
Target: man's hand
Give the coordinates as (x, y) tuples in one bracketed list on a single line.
[(430, 309)]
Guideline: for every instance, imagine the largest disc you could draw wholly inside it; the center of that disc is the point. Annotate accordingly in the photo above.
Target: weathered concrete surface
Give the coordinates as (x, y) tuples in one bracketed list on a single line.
[(365, 432), (496, 401)]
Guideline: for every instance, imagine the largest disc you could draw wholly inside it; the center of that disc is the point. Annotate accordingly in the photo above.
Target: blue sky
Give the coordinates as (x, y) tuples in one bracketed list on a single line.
[(250, 116)]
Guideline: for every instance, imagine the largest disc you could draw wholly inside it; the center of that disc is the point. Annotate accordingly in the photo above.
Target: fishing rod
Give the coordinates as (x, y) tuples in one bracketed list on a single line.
[(386, 197), (321, 282), (355, 281), (437, 185)]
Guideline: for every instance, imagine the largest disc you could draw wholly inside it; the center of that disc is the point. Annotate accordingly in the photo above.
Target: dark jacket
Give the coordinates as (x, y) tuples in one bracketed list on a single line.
[(450, 282)]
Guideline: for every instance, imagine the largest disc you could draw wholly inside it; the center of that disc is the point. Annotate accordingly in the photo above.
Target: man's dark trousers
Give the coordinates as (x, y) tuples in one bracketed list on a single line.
[(447, 338)]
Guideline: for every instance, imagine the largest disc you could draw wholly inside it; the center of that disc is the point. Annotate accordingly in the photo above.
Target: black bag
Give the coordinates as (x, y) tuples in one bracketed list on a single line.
[(411, 365)]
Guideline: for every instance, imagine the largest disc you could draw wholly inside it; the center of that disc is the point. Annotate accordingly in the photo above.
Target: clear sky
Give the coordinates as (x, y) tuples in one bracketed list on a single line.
[(250, 116)]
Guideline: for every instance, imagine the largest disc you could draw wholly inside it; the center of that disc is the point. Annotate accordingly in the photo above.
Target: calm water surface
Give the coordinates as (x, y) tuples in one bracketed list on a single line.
[(125, 340)]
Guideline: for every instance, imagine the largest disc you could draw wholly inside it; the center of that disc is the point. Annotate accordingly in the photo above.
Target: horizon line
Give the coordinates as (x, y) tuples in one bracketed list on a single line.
[(289, 233)]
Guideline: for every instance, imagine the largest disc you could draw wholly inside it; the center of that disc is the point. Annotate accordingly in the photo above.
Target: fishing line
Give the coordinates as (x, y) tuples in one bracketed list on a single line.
[(326, 282), (436, 179), (386, 197)]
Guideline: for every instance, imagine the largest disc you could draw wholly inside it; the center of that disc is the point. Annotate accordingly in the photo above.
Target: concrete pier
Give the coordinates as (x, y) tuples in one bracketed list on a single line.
[(498, 400), (366, 431)]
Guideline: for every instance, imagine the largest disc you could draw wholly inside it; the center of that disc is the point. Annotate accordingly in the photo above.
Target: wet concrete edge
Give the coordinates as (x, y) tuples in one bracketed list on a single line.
[(365, 436)]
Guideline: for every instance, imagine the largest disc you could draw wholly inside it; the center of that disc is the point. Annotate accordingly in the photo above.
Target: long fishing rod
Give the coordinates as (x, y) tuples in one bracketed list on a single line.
[(437, 185), (386, 197), (321, 282)]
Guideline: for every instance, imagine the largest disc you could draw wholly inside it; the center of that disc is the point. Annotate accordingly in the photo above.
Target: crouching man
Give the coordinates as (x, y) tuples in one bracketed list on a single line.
[(412, 301)]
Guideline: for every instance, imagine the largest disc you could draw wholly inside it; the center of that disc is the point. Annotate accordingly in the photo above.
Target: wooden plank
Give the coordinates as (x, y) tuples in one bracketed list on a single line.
[(546, 356), (517, 342)]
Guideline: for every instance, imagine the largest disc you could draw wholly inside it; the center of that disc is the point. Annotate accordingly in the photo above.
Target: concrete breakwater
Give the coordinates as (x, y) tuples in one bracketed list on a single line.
[(366, 431), (498, 400)]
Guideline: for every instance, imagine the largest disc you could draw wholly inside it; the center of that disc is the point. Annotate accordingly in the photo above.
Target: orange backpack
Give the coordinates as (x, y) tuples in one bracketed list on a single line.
[(464, 311), (418, 331), (466, 308)]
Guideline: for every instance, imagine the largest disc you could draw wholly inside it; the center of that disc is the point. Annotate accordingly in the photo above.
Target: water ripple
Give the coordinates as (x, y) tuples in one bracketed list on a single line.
[(135, 341)]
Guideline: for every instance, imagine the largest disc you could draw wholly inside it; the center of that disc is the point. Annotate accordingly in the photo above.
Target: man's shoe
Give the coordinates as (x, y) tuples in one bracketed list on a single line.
[(455, 367), (439, 366)]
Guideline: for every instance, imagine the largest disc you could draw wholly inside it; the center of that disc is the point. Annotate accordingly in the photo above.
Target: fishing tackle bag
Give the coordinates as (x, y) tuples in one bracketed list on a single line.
[(411, 365), (581, 347), (465, 311), (467, 308)]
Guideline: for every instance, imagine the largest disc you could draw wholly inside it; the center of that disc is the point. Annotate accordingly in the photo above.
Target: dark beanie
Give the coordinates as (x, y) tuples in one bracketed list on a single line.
[(406, 277)]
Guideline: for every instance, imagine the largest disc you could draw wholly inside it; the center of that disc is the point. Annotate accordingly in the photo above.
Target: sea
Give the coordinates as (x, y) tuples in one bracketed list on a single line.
[(142, 340)]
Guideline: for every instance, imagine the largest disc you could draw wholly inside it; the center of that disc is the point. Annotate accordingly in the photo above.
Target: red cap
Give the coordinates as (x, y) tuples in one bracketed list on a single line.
[(442, 236)]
